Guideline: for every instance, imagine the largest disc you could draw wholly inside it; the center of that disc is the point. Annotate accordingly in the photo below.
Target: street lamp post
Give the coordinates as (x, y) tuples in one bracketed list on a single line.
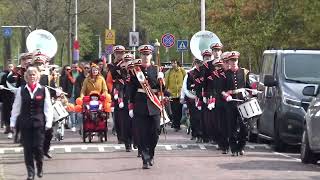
[(99, 53)]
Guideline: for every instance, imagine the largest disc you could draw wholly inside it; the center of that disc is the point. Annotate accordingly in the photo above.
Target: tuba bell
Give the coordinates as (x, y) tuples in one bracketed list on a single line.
[(43, 41), (201, 41)]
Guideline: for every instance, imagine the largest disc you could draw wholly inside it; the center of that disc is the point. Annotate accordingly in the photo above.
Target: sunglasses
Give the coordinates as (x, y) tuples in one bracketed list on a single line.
[(68, 69), (86, 68)]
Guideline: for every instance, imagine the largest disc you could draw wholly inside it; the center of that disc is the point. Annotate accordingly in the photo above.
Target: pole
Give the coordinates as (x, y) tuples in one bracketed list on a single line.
[(76, 12), (181, 58), (203, 15), (99, 47), (134, 24), (109, 56)]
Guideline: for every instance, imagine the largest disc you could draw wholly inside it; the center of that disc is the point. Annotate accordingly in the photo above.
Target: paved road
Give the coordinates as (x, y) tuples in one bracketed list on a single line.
[(177, 157)]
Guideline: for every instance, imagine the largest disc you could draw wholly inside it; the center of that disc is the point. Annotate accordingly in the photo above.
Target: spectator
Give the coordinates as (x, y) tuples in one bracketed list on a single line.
[(174, 80)]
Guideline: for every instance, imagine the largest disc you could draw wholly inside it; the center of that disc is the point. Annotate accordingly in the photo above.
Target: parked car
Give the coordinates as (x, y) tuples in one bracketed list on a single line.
[(310, 145), (283, 76)]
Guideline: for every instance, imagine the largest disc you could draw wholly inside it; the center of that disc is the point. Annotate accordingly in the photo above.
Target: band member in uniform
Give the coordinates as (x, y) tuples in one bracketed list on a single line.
[(216, 51), (144, 104), (205, 70), (190, 82), (121, 112), (237, 79), (115, 82), (15, 79), (32, 105)]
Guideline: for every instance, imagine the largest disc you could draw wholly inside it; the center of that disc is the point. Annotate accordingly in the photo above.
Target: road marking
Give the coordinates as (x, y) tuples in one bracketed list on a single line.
[(101, 149), (106, 147), (168, 147), (184, 146), (202, 147), (287, 156), (17, 150), (67, 149)]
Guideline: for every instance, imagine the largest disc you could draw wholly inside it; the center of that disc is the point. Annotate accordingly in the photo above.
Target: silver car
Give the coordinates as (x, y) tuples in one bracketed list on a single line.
[(310, 146)]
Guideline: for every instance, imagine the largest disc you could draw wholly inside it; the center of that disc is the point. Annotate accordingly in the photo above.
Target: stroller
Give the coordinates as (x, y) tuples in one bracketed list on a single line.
[(94, 118)]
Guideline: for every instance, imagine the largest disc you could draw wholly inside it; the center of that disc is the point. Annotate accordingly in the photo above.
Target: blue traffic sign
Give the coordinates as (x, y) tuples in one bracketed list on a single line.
[(109, 49), (182, 45), (7, 31), (168, 40)]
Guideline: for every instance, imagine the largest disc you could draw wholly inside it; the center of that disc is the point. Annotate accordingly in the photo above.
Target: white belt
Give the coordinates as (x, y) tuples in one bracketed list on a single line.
[(143, 91)]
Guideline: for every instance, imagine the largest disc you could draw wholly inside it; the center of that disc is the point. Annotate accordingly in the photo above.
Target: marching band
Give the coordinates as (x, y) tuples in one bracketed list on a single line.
[(212, 90)]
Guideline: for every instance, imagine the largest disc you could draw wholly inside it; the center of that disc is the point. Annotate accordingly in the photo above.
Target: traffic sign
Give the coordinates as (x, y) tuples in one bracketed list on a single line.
[(109, 49), (7, 31), (182, 45), (133, 39), (110, 37), (168, 40)]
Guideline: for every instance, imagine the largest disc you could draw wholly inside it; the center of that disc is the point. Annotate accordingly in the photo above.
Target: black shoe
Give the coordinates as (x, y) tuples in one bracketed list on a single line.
[(241, 152), (193, 138), (30, 178), (66, 126), (40, 174), (151, 162), (224, 151), (139, 154), (48, 155), (199, 140), (145, 166)]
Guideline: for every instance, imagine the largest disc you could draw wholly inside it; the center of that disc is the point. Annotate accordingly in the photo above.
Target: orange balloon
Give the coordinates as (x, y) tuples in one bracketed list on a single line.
[(108, 98), (78, 108), (79, 101), (107, 109), (70, 107)]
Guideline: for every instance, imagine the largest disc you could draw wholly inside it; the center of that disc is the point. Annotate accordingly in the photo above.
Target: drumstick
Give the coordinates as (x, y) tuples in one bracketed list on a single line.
[(237, 100), (56, 90), (253, 90)]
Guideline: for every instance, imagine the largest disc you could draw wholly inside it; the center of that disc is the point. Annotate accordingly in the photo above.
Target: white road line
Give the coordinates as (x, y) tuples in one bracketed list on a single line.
[(184, 146), (101, 149), (250, 146), (117, 147), (84, 147), (202, 147), (67, 149), (17, 150), (1, 151), (287, 156), (168, 147)]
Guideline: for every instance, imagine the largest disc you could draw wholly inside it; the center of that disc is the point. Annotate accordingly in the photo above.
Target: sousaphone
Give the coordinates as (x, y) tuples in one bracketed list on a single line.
[(201, 41), (43, 41)]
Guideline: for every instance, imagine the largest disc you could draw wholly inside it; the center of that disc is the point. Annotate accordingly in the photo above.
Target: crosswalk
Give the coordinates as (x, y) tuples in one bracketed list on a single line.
[(92, 148)]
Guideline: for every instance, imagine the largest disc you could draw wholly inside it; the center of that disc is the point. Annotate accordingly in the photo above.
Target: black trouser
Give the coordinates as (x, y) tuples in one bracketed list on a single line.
[(222, 131), (123, 125), (195, 118), (6, 110), (148, 133), (238, 130), (176, 115), (47, 140), (33, 148)]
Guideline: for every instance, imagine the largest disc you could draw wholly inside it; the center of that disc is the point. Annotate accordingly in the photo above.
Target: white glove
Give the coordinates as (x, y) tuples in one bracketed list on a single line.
[(228, 98), (116, 96), (58, 92), (121, 105), (237, 91), (211, 103), (160, 75), (199, 108), (131, 113), (182, 101), (254, 92), (1, 86), (112, 109), (185, 106), (204, 100)]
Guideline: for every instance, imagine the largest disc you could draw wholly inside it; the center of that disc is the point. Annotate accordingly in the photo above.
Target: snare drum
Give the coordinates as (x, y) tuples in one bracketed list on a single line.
[(249, 109), (59, 112)]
